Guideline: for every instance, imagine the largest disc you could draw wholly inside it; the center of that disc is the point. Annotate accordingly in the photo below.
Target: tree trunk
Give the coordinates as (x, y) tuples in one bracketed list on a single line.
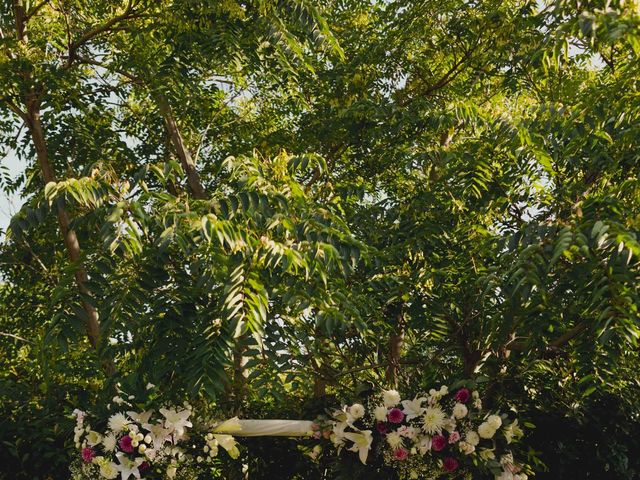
[(193, 179), (69, 235)]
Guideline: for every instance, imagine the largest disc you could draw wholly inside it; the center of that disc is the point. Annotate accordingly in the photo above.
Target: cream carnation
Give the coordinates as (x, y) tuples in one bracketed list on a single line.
[(495, 421), (485, 430), (391, 398), (460, 410), (472, 438)]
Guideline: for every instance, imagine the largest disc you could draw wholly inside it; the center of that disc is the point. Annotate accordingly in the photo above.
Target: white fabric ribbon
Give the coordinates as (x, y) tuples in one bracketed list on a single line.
[(265, 428)]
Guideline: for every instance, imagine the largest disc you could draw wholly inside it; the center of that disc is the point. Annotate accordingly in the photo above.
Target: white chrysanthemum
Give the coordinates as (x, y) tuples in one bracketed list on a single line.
[(472, 438), (466, 448), (357, 411), (118, 422), (394, 440), (391, 398), (460, 410), (433, 420), (495, 421), (485, 430), (380, 413)]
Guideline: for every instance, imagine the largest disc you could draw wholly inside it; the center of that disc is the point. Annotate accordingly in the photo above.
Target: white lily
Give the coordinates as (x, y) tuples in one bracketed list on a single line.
[(176, 420), (142, 418), (338, 434), (128, 467), (361, 443), (413, 408), (229, 444)]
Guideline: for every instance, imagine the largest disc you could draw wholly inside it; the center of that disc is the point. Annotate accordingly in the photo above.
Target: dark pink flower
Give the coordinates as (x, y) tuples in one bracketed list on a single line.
[(463, 395), (382, 428), (144, 466), (88, 454), (450, 464), (438, 442), (395, 415), (125, 444), (400, 454)]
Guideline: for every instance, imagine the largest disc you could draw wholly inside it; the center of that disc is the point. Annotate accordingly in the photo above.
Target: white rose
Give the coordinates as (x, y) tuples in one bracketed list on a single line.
[(460, 410), (485, 430), (520, 476), (171, 471), (472, 438), (380, 412), (495, 421), (444, 390), (391, 398), (357, 411)]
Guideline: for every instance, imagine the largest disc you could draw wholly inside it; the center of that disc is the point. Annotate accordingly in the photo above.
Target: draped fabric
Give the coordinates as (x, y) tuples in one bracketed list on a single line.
[(265, 428)]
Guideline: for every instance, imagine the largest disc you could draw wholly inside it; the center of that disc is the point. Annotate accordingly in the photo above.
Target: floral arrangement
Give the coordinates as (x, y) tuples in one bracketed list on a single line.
[(440, 435), (146, 445)]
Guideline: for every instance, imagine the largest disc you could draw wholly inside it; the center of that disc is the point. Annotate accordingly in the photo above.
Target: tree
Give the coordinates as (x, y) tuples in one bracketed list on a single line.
[(264, 202)]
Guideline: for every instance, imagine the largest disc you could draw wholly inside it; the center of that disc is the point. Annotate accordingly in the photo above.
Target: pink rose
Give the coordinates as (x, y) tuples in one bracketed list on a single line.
[(438, 442), (125, 444), (395, 415), (400, 454), (454, 437), (88, 454), (463, 395), (450, 464)]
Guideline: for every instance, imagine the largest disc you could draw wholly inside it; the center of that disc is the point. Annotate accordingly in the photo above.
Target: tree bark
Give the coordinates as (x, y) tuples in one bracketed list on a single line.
[(193, 179), (69, 235)]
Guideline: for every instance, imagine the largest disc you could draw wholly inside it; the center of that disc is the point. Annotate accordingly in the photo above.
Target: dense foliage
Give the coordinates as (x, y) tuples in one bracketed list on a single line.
[(265, 205)]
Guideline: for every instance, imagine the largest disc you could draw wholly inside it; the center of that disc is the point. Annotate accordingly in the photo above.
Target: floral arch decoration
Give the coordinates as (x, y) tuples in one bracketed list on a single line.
[(445, 434)]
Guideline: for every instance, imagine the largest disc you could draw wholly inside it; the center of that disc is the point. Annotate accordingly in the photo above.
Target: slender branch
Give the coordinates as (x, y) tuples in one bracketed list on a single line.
[(128, 14), (11, 335), (36, 9)]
